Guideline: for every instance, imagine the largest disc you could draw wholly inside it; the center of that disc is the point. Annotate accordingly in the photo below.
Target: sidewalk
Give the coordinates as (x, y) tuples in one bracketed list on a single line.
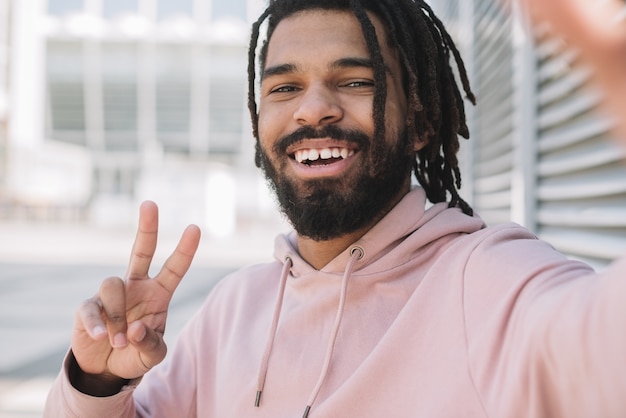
[(49, 243)]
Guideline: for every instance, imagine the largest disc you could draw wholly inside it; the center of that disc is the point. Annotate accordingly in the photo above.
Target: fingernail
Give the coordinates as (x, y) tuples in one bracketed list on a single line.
[(141, 336), (98, 330), (119, 341)]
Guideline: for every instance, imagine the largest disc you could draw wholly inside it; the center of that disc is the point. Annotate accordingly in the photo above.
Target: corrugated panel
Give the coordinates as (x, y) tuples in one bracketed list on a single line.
[(448, 11), (493, 124), (581, 179), (575, 174)]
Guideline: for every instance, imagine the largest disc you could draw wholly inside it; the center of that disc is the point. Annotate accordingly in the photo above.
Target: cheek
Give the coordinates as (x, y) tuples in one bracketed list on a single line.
[(272, 119), (264, 128), (395, 113)]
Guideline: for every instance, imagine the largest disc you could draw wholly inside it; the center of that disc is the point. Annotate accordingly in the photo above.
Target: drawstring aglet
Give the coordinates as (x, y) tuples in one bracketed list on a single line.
[(257, 401), (306, 411)]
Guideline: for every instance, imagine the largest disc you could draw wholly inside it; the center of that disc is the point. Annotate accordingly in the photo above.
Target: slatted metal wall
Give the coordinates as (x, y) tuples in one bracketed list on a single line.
[(493, 121), (540, 153), (581, 176)]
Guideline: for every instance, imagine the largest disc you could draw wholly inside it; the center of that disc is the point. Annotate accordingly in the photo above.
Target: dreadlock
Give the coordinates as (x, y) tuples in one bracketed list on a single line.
[(436, 112)]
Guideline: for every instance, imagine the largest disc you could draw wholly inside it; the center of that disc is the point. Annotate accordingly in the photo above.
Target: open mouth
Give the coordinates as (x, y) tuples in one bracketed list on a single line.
[(323, 156)]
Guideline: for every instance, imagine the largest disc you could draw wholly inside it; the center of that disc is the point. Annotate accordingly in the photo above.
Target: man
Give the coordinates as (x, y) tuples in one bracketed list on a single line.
[(374, 306)]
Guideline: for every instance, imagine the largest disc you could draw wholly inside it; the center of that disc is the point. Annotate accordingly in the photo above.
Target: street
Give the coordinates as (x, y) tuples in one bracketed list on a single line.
[(37, 305)]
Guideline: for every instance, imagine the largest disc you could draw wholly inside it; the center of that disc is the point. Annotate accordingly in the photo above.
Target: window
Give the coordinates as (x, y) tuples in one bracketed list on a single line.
[(169, 8), (227, 99), (226, 106), (66, 92), (173, 96), (61, 7), (228, 9), (119, 93), (113, 8)]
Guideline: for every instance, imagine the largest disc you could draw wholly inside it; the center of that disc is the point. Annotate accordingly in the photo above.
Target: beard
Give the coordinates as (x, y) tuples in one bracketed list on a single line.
[(323, 209)]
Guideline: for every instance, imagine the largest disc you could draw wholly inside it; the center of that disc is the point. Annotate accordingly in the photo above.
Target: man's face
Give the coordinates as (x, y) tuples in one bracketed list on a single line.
[(316, 125)]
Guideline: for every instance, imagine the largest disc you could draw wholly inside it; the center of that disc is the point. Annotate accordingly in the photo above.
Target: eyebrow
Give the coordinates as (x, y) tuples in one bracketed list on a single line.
[(279, 70), (350, 62)]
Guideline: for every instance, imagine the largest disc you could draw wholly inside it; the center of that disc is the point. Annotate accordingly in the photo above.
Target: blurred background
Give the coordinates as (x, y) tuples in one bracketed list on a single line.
[(105, 103)]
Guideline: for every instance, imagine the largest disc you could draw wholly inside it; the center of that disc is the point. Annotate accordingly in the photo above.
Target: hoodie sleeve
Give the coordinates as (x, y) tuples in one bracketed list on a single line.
[(168, 390), (65, 401), (546, 335)]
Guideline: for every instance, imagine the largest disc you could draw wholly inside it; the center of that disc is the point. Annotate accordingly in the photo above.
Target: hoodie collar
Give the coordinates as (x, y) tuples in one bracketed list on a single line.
[(394, 235)]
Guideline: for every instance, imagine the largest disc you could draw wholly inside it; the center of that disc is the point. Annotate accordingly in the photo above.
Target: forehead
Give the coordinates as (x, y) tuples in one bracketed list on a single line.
[(321, 33)]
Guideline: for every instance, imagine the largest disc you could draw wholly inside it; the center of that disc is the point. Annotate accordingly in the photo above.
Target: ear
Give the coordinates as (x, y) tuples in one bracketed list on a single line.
[(419, 143), (419, 140)]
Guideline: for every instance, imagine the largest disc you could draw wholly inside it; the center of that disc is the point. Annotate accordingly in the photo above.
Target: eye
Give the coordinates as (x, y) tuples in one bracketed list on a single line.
[(360, 84), (284, 89)]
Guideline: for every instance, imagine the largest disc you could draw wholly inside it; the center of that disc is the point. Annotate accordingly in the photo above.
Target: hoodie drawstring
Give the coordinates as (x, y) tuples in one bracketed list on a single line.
[(272, 335), (355, 254)]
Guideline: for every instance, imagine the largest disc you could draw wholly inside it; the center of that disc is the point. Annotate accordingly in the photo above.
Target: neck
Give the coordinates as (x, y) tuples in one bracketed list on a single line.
[(319, 253)]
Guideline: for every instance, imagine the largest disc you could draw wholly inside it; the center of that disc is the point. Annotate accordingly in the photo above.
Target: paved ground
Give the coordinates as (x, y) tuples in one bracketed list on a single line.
[(47, 270)]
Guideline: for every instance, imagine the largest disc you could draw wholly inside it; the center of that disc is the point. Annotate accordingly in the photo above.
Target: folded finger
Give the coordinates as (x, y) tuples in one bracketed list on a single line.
[(148, 342), (90, 316), (112, 295)]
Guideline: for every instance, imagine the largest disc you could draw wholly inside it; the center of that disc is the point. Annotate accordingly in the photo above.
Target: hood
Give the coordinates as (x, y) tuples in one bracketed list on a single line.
[(394, 240)]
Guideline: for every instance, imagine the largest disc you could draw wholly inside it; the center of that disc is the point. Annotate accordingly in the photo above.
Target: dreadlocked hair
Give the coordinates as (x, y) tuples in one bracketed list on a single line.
[(436, 111)]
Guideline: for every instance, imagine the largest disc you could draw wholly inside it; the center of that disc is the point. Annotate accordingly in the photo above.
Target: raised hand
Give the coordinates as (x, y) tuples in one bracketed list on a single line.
[(597, 28), (118, 334)]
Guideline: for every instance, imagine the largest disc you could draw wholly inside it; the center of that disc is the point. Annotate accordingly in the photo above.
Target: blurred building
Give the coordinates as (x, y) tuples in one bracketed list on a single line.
[(116, 101), (540, 154), (104, 103), (5, 44)]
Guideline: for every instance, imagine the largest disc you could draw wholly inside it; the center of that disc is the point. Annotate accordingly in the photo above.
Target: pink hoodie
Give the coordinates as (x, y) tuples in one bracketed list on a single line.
[(428, 315)]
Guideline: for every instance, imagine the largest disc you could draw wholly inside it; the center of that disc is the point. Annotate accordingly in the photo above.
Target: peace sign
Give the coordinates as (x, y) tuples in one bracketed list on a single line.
[(118, 334)]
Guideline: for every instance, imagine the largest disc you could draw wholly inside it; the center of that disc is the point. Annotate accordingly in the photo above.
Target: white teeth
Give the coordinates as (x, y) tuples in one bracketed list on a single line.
[(324, 154)]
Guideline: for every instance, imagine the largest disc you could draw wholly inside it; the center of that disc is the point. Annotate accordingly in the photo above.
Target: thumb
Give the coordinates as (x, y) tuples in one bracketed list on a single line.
[(149, 344)]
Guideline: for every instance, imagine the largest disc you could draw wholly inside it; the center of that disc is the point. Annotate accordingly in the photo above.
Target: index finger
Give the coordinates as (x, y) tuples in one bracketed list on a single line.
[(178, 263), (145, 242)]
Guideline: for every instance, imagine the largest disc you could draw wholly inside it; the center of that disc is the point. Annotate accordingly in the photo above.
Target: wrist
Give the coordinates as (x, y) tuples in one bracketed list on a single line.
[(99, 385)]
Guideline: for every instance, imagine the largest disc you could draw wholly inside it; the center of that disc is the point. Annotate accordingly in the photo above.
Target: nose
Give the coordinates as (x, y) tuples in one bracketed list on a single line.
[(318, 106)]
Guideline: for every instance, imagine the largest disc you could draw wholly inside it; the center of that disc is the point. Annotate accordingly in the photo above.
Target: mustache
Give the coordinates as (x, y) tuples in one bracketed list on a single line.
[(355, 136)]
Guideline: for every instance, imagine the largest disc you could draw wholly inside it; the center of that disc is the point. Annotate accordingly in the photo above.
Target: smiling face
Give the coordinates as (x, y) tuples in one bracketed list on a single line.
[(316, 127)]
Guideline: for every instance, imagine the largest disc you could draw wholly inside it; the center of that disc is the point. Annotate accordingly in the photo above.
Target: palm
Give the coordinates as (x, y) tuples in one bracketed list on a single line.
[(598, 30), (139, 302)]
